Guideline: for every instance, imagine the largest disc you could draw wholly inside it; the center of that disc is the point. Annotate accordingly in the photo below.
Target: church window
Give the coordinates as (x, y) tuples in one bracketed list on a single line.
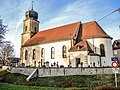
[(93, 64), (25, 28), (102, 50), (98, 62), (95, 50), (34, 54), (26, 55), (117, 43), (35, 29), (42, 52), (64, 51), (52, 53)]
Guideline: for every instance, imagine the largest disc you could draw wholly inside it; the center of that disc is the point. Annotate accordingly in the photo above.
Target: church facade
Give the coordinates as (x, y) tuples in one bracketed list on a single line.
[(73, 45)]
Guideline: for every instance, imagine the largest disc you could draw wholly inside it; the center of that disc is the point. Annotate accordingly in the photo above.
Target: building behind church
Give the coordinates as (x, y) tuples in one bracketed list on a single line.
[(74, 45), (116, 49)]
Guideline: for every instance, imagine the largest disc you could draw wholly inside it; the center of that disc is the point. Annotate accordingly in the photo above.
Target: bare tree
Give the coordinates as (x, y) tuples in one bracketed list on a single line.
[(6, 47), (3, 29), (2, 34), (6, 51)]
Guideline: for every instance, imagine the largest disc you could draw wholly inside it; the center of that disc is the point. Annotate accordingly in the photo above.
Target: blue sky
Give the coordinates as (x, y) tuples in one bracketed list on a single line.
[(53, 13)]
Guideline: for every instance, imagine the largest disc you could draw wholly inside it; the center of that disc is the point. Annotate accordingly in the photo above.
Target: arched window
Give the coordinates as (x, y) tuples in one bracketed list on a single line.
[(34, 54), (102, 50), (52, 53), (35, 29), (25, 28), (64, 51), (26, 55), (42, 52)]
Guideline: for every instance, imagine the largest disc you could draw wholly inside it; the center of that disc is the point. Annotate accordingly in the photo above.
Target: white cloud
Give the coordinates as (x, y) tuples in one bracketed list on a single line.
[(73, 12)]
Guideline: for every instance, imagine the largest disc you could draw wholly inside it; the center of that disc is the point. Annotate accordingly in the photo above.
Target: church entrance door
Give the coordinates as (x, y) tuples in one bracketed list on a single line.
[(77, 62)]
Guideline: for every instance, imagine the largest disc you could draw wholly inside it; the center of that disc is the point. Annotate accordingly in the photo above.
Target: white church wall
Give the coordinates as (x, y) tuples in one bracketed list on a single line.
[(30, 61), (94, 59), (87, 60), (78, 54), (58, 52), (105, 61), (47, 46)]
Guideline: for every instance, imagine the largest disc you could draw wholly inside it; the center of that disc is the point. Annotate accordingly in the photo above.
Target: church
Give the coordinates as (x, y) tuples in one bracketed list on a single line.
[(74, 45)]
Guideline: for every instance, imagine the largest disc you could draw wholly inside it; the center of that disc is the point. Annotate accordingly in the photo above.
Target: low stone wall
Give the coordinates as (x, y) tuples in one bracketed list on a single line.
[(48, 72), (25, 71)]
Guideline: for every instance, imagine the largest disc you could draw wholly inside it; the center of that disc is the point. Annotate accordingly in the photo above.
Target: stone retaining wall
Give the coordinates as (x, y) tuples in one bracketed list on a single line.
[(48, 72)]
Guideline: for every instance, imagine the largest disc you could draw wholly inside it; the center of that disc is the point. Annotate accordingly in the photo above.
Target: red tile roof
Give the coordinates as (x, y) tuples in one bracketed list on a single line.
[(93, 30), (87, 30), (81, 46), (50, 35)]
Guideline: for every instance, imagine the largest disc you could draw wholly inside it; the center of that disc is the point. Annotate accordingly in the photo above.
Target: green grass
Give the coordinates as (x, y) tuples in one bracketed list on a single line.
[(78, 81), (5, 86), (73, 81)]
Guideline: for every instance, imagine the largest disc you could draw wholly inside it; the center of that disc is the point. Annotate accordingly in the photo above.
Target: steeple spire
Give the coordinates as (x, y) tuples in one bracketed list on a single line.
[(31, 14), (32, 5)]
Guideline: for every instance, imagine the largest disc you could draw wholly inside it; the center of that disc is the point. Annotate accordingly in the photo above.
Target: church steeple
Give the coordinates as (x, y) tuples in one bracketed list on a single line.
[(32, 5), (31, 25), (31, 13)]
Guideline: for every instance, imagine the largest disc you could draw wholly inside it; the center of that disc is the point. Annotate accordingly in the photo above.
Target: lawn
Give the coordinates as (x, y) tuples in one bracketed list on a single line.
[(10, 81), (5, 86)]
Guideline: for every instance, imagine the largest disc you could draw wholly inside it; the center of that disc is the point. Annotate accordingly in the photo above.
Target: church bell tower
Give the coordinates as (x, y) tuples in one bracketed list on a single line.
[(31, 25)]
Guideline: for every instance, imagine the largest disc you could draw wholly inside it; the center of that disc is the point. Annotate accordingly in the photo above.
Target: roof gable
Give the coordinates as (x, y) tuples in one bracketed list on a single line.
[(81, 46), (54, 34), (93, 30), (116, 44)]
